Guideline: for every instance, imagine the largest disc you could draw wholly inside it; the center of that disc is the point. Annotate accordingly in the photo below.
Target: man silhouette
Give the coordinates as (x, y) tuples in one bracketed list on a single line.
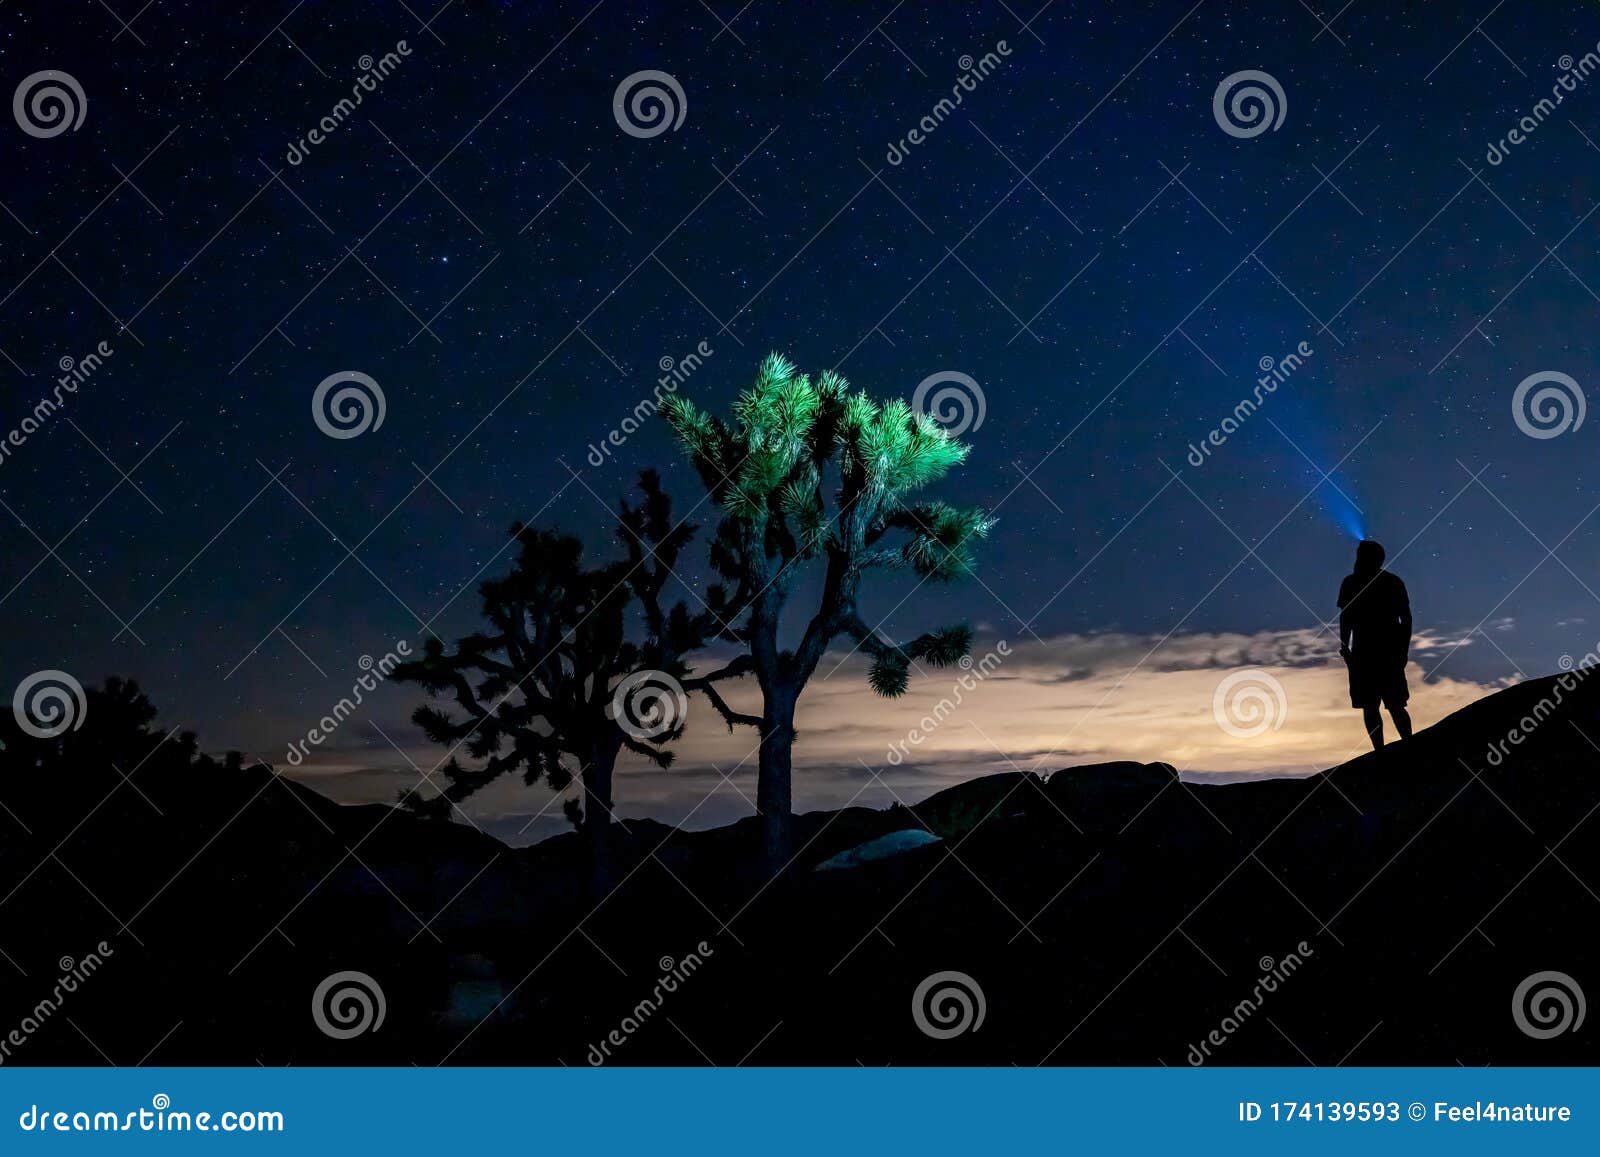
[(1374, 640)]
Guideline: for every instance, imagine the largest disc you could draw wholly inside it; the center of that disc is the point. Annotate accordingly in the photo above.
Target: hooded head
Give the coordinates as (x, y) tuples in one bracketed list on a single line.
[(1369, 556)]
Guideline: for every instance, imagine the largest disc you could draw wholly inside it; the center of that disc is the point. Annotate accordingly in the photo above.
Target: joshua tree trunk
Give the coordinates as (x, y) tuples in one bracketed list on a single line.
[(773, 790), (597, 818)]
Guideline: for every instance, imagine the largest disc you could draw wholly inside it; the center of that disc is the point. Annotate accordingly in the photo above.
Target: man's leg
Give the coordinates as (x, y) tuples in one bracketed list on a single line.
[(1402, 721), (1374, 722)]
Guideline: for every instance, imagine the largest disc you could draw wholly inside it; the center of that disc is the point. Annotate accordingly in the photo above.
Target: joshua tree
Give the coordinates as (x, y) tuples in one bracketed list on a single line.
[(767, 470), (555, 688)]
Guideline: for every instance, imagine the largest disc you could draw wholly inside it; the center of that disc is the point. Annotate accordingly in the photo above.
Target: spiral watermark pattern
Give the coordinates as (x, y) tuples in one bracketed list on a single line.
[(48, 104), (1249, 703), (959, 406), (1248, 103), (1548, 1004), (348, 1004), (649, 704), (1551, 411), (49, 703), (648, 103), (948, 1004), (352, 410)]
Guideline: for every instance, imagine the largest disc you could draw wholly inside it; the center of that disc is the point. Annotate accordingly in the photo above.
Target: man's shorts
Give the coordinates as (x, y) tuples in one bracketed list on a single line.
[(1371, 684)]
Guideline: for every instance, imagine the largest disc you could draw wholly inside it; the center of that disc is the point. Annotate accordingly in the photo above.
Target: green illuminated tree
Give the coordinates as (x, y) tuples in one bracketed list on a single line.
[(792, 443)]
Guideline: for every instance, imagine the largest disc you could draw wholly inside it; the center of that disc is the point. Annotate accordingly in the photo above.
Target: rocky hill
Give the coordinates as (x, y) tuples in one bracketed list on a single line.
[(1384, 912)]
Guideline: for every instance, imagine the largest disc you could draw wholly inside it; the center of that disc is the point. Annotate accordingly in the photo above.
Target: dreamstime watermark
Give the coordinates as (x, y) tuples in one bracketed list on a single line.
[(1273, 974), (1548, 1004), (648, 103), (1567, 682), (957, 403), (73, 974), (48, 104), (948, 1004), (347, 1004), (74, 372), (649, 704), (1248, 103), (1274, 372), (972, 71), (373, 73), (1555, 408), (349, 411), (376, 672), (49, 703), (1249, 703), (161, 1117), (674, 372), (673, 974), (1572, 73), (974, 672)]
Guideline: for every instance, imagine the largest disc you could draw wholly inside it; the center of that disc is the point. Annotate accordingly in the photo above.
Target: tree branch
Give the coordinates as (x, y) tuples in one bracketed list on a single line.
[(742, 665), (729, 715)]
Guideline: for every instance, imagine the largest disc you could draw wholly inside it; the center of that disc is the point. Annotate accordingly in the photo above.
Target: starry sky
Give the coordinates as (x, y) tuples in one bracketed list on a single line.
[(1081, 237)]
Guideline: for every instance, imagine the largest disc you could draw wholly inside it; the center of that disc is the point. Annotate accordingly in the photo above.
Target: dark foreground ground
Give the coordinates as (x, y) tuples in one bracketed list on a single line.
[(1109, 915)]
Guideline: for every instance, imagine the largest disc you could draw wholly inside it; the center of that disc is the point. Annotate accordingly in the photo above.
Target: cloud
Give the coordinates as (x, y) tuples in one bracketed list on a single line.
[(1036, 705)]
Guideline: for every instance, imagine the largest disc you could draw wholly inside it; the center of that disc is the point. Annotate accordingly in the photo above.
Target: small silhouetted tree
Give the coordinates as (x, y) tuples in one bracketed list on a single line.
[(537, 692), (770, 469)]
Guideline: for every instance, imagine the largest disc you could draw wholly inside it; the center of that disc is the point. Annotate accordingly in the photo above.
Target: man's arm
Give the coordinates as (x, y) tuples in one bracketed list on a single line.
[(1344, 619), (1404, 600)]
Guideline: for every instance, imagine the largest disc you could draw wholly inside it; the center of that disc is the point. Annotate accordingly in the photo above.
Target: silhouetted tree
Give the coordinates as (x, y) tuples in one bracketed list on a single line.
[(767, 471), (539, 691), (111, 723), (103, 756)]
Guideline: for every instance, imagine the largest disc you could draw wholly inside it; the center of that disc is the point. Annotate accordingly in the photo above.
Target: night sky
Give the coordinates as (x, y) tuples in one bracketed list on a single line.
[(1080, 237)]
